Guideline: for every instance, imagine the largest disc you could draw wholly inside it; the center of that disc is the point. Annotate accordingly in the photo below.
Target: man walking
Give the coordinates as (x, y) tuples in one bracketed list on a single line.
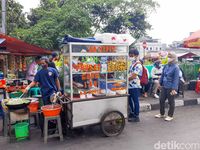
[(169, 85)]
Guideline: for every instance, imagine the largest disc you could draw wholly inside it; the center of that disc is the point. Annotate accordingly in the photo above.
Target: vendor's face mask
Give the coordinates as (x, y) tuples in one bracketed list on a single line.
[(43, 64)]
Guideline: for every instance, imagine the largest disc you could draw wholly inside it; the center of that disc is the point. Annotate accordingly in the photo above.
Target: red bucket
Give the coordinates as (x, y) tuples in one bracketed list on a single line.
[(50, 111), (33, 106)]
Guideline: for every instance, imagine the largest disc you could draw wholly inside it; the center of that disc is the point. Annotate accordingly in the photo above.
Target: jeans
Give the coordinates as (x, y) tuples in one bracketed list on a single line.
[(134, 102)]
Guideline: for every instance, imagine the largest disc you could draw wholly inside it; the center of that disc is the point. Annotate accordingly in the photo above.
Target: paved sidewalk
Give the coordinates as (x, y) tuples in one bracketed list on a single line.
[(150, 103)]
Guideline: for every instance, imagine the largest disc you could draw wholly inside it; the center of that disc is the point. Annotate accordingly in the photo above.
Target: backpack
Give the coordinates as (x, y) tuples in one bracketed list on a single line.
[(144, 77)]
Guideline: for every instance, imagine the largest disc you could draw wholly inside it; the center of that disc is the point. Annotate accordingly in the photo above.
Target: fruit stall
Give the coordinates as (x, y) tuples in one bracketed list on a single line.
[(95, 85)]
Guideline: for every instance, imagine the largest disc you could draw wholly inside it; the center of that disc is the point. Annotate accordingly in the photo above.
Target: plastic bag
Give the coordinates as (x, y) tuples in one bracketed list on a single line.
[(109, 38), (125, 39)]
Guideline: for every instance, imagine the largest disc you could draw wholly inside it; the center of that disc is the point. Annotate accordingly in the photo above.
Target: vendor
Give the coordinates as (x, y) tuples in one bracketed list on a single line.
[(48, 80)]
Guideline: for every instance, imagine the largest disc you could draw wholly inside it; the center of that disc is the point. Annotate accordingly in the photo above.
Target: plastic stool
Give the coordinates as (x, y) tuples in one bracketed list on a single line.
[(59, 134), (34, 91), (36, 118), (15, 94)]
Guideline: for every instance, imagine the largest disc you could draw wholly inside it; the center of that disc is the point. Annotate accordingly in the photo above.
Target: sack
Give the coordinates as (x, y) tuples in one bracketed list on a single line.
[(144, 77)]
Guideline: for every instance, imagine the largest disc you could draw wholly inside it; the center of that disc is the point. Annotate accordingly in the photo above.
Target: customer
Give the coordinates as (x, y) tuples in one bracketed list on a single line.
[(156, 74), (32, 69), (47, 78), (54, 57), (181, 86), (169, 85), (135, 71), (145, 87)]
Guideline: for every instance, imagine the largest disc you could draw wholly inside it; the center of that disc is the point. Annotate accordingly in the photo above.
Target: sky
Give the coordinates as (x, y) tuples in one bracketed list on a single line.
[(175, 19), (172, 21)]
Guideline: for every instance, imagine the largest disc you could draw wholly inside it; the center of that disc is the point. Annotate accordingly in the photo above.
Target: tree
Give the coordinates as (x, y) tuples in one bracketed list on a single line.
[(50, 22), (53, 19), (15, 18), (118, 16)]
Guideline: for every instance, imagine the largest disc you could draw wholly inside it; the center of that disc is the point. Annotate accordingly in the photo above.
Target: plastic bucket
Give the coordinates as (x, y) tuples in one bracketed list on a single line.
[(21, 130), (50, 111), (33, 106)]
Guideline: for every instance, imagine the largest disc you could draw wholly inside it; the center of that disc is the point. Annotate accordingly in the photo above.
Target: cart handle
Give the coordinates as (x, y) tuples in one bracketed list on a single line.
[(64, 102)]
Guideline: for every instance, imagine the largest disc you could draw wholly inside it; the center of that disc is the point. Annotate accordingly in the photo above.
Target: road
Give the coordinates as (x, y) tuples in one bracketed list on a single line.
[(149, 134)]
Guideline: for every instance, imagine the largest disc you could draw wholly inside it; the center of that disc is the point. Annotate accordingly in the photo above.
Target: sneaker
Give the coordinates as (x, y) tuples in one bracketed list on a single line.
[(137, 119), (168, 118), (130, 119), (156, 96), (159, 116)]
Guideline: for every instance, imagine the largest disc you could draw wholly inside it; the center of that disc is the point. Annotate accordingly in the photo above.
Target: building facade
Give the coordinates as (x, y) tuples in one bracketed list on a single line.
[(152, 45)]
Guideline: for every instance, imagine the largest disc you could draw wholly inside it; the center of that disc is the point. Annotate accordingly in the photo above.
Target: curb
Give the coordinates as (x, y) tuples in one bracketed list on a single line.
[(145, 106)]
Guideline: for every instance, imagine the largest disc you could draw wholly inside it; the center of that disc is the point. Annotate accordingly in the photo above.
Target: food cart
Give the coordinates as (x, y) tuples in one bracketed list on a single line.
[(96, 85)]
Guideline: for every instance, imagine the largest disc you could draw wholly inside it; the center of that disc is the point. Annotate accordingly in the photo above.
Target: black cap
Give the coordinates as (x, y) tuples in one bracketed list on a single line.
[(54, 54)]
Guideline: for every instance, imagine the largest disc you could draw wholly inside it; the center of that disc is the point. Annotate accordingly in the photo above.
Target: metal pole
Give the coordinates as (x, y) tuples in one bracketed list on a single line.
[(3, 5)]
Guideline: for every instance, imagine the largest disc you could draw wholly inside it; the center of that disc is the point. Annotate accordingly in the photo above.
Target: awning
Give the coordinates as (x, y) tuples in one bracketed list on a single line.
[(193, 41), (2, 40), (185, 55), (19, 47)]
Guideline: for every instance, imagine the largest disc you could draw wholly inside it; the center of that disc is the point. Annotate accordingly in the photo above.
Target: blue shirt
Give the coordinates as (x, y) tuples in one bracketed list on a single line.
[(170, 77), (47, 79)]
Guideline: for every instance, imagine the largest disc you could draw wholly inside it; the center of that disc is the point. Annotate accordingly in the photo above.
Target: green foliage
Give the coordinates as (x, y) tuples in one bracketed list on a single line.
[(118, 16), (15, 18), (190, 70), (81, 18)]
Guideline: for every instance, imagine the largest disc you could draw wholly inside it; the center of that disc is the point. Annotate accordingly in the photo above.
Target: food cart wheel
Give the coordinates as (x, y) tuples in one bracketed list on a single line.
[(112, 123)]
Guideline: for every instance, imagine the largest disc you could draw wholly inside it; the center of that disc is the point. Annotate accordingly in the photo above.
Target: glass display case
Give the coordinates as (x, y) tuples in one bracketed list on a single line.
[(93, 70)]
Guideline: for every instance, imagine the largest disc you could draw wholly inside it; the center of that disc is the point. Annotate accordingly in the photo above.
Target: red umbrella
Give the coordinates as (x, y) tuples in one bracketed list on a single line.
[(193, 41)]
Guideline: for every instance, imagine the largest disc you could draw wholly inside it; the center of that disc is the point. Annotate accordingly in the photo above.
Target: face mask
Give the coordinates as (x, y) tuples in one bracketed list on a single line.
[(132, 58), (44, 66), (170, 60)]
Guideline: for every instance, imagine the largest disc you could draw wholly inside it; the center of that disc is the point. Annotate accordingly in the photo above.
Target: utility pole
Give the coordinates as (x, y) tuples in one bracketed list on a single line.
[(3, 5)]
